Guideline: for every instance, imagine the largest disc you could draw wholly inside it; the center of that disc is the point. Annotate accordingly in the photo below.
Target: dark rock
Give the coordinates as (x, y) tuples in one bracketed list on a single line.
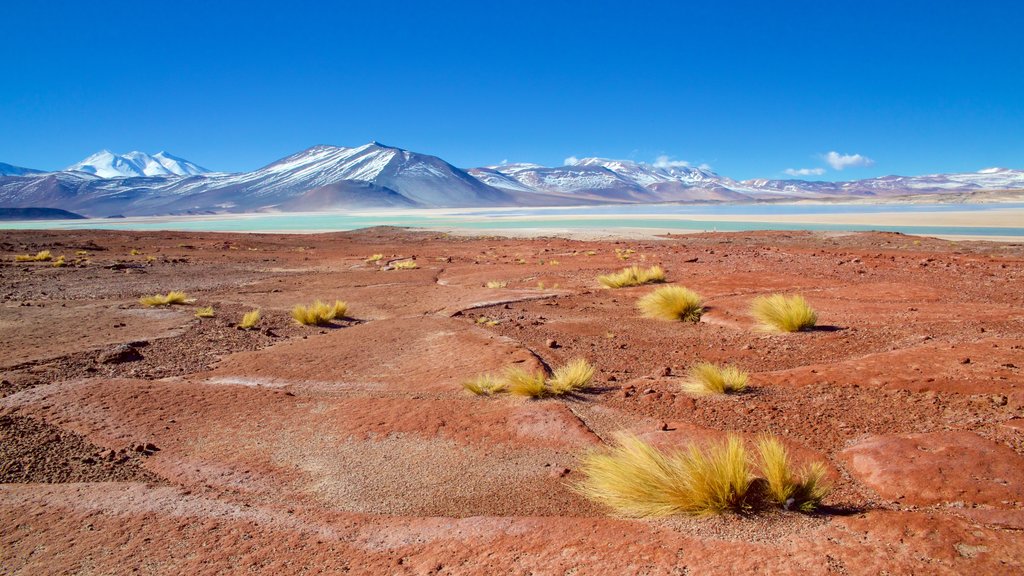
[(551, 343), (118, 354), (965, 360)]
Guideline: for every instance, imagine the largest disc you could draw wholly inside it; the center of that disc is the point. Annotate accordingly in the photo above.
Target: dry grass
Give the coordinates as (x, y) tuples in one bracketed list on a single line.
[(803, 491), (484, 385), (575, 376), (250, 320), (634, 478), (171, 298), (405, 265), (782, 314), (672, 303), (633, 276), (525, 383), (42, 256), (205, 312), (707, 378), (374, 258), (497, 284), (319, 313), (59, 262), (135, 252)]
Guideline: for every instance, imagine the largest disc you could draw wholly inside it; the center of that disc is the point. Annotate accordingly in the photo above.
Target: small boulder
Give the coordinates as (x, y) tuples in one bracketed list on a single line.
[(118, 354)]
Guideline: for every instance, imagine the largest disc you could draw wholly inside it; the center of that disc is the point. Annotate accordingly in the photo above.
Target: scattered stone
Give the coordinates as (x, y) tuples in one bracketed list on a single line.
[(965, 360), (551, 343)]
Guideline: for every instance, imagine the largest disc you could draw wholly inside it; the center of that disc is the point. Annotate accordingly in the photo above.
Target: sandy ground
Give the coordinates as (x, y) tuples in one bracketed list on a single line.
[(135, 440)]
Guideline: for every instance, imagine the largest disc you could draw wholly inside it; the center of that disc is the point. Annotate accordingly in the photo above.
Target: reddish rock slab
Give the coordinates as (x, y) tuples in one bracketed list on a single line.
[(938, 468)]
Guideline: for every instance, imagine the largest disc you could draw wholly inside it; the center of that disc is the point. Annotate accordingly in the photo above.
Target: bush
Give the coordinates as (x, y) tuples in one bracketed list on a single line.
[(42, 256), (405, 265), (250, 320), (776, 312), (633, 276), (573, 377), (707, 378), (803, 491), (672, 303), (205, 312), (634, 478), (484, 385), (173, 297), (319, 313)]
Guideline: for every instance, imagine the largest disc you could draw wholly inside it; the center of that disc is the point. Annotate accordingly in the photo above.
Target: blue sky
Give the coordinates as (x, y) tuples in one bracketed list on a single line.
[(750, 88)]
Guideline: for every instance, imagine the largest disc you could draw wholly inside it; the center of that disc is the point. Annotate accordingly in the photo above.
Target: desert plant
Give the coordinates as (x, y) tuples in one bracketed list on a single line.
[(672, 303), (803, 491), (173, 297), (522, 382), (59, 262), (405, 265), (484, 385), (374, 258), (633, 276), (497, 284), (206, 312), (707, 378), (319, 313), (250, 320), (777, 312), (41, 256), (634, 478), (574, 376), (135, 252)]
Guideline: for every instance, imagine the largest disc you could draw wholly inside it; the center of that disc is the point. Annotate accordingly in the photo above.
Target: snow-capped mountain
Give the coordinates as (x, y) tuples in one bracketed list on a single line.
[(375, 175), (11, 170), (107, 164)]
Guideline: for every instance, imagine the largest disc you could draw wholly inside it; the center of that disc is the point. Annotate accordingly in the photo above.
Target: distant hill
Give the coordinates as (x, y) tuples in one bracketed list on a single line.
[(38, 214)]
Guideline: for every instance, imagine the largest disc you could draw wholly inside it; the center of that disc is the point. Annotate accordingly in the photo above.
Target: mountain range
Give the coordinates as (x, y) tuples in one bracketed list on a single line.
[(375, 175)]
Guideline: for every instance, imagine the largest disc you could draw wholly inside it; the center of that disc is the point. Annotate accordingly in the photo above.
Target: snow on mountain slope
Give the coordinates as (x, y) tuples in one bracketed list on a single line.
[(107, 164), (11, 170)]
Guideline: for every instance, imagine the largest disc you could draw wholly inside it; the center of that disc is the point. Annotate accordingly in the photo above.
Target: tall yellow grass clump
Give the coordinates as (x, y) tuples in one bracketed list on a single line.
[(173, 297), (777, 312), (41, 256), (522, 382), (374, 258), (206, 312), (575, 376), (497, 284), (484, 385), (672, 303), (633, 276), (60, 262), (250, 320), (319, 313), (634, 478), (708, 378), (801, 491), (405, 265)]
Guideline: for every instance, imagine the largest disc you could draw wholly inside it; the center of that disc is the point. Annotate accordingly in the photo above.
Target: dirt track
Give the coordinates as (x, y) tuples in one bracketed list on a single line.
[(353, 448)]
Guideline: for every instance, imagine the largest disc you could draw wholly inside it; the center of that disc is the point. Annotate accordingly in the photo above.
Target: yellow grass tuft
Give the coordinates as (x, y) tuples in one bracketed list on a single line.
[(672, 303), (572, 377), (624, 253), (42, 256), (777, 312), (59, 262), (135, 252), (81, 252), (205, 312), (497, 284), (319, 313), (634, 478), (484, 385), (707, 378), (802, 492), (405, 265), (524, 383), (250, 320), (173, 297), (374, 258), (633, 276)]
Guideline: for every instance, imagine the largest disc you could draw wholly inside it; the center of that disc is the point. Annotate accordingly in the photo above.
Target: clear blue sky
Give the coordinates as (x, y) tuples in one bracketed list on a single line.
[(751, 88)]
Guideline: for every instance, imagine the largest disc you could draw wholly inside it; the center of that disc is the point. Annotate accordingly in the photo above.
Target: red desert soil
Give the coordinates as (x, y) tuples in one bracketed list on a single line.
[(137, 440)]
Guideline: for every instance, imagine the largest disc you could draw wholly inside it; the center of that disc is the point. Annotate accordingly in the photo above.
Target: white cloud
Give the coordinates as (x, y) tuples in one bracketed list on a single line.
[(839, 161), (571, 161), (705, 167), (667, 162), (804, 171), (504, 161)]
